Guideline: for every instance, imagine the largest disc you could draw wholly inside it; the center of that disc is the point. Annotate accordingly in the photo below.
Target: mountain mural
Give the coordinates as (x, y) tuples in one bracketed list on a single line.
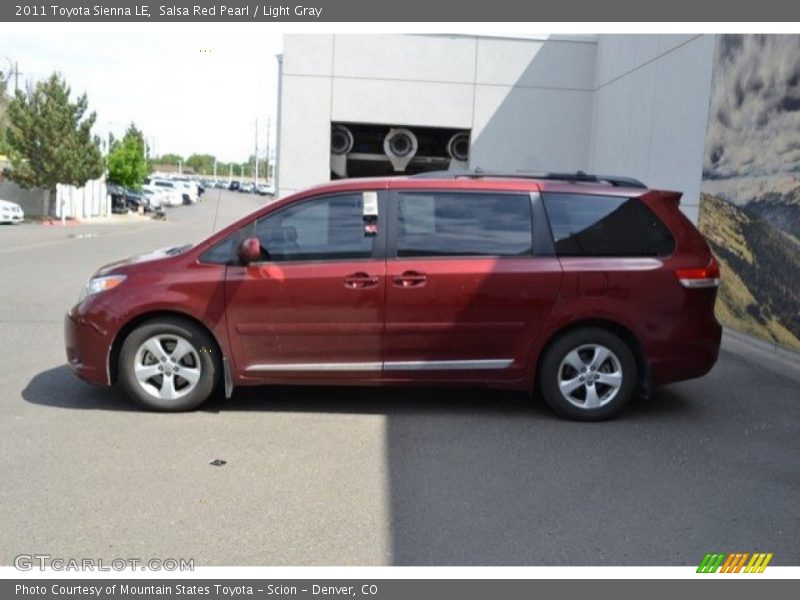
[(760, 263), (750, 201)]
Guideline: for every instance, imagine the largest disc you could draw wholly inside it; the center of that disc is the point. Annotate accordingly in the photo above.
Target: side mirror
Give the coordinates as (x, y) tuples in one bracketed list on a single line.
[(249, 250)]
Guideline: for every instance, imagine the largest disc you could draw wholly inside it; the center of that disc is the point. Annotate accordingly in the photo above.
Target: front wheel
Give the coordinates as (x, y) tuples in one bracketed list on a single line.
[(169, 365), (588, 374)]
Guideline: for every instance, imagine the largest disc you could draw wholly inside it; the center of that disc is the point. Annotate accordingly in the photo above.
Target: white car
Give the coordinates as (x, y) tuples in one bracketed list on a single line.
[(157, 199), (265, 189), (188, 187), (10, 212), (174, 192)]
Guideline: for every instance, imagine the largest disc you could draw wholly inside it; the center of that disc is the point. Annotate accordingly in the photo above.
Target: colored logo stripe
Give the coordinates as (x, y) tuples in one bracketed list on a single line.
[(734, 562), (710, 563), (758, 563)]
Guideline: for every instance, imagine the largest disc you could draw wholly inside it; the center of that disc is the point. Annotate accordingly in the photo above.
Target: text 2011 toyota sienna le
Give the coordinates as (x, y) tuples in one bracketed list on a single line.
[(588, 288)]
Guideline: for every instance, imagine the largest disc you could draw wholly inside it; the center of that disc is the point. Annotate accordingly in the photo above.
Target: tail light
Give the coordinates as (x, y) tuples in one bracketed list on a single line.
[(702, 277)]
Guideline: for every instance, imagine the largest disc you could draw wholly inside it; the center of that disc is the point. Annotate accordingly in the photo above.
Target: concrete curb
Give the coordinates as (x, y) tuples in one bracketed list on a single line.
[(773, 347), (772, 357)]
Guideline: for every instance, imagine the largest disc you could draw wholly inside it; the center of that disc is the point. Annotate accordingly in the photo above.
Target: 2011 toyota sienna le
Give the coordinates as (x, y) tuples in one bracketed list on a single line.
[(589, 288)]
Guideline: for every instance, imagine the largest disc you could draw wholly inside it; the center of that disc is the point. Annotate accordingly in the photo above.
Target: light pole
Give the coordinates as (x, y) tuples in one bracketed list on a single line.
[(269, 123), (255, 175)]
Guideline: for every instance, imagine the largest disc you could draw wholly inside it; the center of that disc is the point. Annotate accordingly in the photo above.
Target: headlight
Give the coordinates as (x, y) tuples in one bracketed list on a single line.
[(100, 284)]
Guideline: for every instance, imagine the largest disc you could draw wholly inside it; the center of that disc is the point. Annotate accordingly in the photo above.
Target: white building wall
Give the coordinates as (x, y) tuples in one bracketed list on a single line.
[(650, 110), (528, 102), (305, 99), (632, 105), (533, 104)]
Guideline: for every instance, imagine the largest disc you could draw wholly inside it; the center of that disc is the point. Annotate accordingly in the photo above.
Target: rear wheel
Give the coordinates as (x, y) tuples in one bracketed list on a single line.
[(588, 374), (169, 365)]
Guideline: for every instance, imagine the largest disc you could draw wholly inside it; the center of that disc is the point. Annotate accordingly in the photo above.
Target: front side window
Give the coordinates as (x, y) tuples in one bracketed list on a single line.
[(329, 228), (463, 224), (590, 225)]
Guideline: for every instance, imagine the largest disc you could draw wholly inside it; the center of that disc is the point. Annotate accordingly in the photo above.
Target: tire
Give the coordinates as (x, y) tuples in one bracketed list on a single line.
[(156, 362), (588, 374)]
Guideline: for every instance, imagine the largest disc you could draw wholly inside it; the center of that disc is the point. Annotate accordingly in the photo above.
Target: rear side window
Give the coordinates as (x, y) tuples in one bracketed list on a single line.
[(463, 224), (585, 225)]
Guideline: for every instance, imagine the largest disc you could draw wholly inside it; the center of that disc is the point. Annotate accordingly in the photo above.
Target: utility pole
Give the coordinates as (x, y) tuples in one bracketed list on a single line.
[(269, 122), (15, 71), (255, 175), (215, 168), (230, 173), (180, 167)]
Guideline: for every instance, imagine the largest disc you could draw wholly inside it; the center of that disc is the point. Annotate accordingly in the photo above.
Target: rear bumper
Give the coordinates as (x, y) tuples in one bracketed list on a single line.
[(87, 347), (690, 355)]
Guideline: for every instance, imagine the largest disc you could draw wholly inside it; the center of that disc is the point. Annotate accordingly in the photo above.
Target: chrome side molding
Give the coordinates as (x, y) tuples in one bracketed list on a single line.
[(409, 365), (447, 365), (287, 367)]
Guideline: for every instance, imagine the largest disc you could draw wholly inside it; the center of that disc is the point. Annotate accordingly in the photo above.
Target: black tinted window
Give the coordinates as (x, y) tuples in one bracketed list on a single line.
[(323, 229), (223, 253), (463, 224), (585, 225)]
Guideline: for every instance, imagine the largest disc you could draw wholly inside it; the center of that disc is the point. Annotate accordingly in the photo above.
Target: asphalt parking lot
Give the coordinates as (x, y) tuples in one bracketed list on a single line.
[(320, 476)]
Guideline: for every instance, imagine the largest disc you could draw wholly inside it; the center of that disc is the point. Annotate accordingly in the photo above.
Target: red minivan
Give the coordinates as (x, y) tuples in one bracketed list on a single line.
[(587, 288)]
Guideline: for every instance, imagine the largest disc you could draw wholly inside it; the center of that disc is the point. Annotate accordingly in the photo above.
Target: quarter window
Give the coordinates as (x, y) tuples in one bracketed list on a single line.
[(463, 224), (586, 225)]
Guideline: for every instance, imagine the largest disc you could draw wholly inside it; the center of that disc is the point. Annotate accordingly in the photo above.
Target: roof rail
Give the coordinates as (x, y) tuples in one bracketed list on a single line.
[(578, 176)]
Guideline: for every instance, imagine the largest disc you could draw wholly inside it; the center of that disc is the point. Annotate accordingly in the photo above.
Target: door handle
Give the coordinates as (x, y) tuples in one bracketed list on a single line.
[(410, 279), (360, 280)]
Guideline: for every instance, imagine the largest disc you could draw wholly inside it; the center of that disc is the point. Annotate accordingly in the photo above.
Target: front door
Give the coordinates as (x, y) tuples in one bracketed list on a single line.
[(314, 307)]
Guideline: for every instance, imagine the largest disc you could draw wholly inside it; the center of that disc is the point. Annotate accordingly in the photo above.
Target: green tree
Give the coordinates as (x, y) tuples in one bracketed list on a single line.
[(168, 159), (50, 139), (201, 163), (127, 165)]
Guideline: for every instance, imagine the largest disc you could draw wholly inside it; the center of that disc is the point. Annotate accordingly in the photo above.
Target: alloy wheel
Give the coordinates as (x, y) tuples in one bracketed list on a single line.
[(167, 366), (590, 376)]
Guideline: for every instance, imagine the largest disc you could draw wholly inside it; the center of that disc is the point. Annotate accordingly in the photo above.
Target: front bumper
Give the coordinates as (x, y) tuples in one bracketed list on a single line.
[(87, 347)]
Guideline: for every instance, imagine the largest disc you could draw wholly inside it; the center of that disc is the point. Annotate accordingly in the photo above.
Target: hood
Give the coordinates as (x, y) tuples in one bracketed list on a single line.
[(155, 255), (8, 204)]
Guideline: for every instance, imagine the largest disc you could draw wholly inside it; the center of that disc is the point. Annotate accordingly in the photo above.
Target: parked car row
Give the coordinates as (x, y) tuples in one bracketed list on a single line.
[(179, 190), (215, 183), (155, 193), (248, 187), (235, 185)]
